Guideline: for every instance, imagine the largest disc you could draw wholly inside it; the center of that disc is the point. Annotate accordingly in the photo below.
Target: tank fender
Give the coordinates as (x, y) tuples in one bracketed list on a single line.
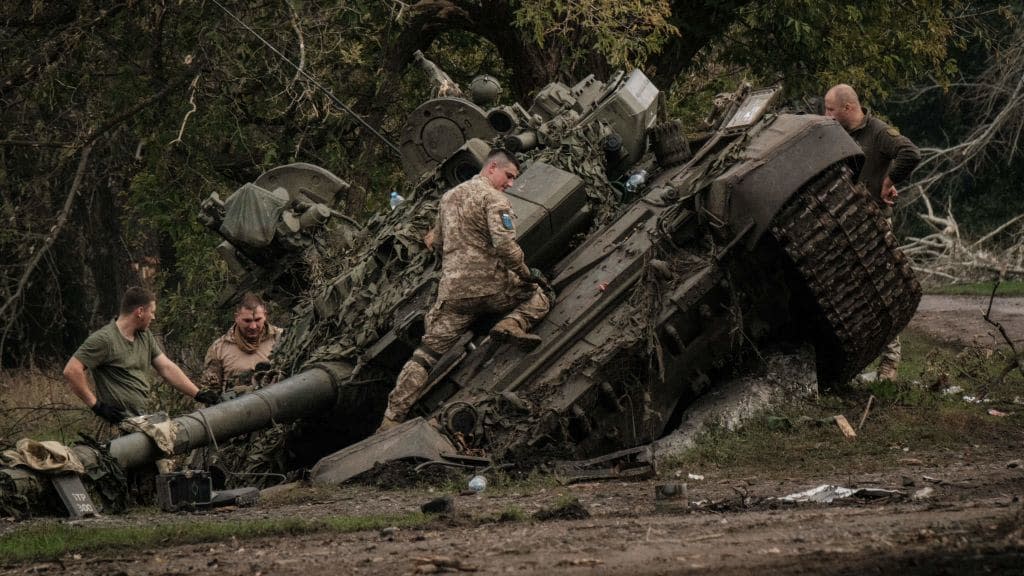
[(778, 161)]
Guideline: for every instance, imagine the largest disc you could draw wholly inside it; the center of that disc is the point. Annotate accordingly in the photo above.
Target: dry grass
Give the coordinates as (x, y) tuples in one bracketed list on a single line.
[(37, 403)]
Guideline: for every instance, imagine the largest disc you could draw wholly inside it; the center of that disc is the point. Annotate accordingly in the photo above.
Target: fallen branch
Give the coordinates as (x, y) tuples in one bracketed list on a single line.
[(1015, 359), (867, 409), (184, 121)]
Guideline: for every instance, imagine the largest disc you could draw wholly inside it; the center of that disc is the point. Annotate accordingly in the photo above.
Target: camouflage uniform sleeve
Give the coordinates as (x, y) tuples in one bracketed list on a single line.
[(213, 369), (438, 237), (905, 155), (502, 228)]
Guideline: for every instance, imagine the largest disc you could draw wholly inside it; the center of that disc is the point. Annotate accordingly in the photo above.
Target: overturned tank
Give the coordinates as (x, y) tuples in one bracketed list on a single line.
[(679, 258)]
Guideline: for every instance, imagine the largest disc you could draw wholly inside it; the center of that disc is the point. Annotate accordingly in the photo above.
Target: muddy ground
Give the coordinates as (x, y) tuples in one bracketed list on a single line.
[(955, 512)]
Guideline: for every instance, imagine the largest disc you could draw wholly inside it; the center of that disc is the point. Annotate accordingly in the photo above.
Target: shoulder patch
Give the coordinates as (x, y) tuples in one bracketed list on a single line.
[(893, 131), (506, 220)]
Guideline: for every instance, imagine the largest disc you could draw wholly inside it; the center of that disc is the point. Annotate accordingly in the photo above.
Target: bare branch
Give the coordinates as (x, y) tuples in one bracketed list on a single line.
[(184, 121), (37, 256)]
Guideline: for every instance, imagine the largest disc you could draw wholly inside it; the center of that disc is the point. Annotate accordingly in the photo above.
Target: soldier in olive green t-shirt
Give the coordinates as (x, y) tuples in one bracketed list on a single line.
[(121, 357), (121, 369)]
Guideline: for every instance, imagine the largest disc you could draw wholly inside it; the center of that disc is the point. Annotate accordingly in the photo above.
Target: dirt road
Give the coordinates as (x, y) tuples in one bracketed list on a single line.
[(967, 519), (960, 319)]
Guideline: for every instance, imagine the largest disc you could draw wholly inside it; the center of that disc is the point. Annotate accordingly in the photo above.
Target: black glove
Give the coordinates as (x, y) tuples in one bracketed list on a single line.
[(538, 278), (109, 413), (208, 397)]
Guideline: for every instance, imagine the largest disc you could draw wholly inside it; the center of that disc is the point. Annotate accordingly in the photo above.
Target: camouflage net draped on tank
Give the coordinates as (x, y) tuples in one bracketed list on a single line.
[(355, 293)]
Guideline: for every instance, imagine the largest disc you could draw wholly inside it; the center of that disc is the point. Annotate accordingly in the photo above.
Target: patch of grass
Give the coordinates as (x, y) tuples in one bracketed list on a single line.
[(51, 541), (512, 514), (817, 447), (931, 366), (1006, 288), (912, 413)]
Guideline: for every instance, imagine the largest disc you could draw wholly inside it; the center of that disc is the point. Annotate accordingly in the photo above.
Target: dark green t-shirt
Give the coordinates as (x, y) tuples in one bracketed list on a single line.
[(121, 370)]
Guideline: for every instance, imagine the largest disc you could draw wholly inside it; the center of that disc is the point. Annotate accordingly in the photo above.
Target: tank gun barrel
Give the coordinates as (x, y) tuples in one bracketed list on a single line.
[(443, 85), (305, 394)]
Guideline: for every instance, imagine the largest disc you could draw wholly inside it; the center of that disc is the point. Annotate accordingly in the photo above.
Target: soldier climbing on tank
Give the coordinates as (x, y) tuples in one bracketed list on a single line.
[(482, 271), (889, 158)]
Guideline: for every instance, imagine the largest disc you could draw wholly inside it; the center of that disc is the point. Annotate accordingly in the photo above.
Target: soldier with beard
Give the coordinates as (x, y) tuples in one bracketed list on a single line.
[(231, 359)]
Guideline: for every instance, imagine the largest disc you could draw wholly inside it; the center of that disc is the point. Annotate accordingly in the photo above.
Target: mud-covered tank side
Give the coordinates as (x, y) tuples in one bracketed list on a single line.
[(722, 255), (671, 296)]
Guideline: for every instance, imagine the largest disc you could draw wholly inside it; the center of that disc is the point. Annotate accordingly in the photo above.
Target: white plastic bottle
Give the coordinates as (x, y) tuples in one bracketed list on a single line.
[(396, 199), (635, 181), (477, 483)]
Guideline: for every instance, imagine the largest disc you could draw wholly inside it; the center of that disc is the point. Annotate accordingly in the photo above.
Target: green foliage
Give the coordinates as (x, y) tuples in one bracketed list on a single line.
[(874, 46), (625, 33)]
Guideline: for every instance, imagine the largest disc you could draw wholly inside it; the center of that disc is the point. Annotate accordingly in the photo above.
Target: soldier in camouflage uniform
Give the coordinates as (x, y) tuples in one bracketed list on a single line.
[(482, 271), (232, 358), (889, 158)]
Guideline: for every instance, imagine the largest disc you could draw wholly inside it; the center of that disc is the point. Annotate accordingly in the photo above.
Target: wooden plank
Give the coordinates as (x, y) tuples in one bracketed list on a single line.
[(844, 425)]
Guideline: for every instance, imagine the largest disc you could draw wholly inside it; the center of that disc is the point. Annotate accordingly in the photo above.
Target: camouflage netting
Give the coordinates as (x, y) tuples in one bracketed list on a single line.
[(255, 459), (354, 294)]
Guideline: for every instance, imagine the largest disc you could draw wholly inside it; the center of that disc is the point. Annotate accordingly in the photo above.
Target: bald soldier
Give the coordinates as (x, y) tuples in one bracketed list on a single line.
[(889, 158), (482, 272)]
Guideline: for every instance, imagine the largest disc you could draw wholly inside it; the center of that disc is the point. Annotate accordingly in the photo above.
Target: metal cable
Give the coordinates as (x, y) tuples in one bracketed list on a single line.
[(312, 80)]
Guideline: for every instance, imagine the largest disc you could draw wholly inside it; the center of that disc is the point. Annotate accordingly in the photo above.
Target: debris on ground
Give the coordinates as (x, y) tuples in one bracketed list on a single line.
[(570, 510), (441, 505), (924, 493), (435, 564), (389, 533), (477, 483), (672, 497), (827, 493), (844, 426), (580, 562)]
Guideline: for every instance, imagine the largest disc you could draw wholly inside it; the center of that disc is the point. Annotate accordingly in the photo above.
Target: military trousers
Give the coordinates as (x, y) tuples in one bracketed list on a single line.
[(446, 321), (893, 352)]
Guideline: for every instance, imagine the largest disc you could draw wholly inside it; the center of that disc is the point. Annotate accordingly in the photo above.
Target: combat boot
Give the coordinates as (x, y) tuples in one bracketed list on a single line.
[(887, 370), (509, 330)]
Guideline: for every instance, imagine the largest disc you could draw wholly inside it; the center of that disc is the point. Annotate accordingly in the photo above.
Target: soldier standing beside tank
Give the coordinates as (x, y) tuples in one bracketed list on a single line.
[(247, 343), (482, 271), (119, 356), (889, 158)]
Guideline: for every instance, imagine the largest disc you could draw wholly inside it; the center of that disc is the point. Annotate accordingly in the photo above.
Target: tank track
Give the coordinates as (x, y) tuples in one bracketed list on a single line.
[(833, 232)]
